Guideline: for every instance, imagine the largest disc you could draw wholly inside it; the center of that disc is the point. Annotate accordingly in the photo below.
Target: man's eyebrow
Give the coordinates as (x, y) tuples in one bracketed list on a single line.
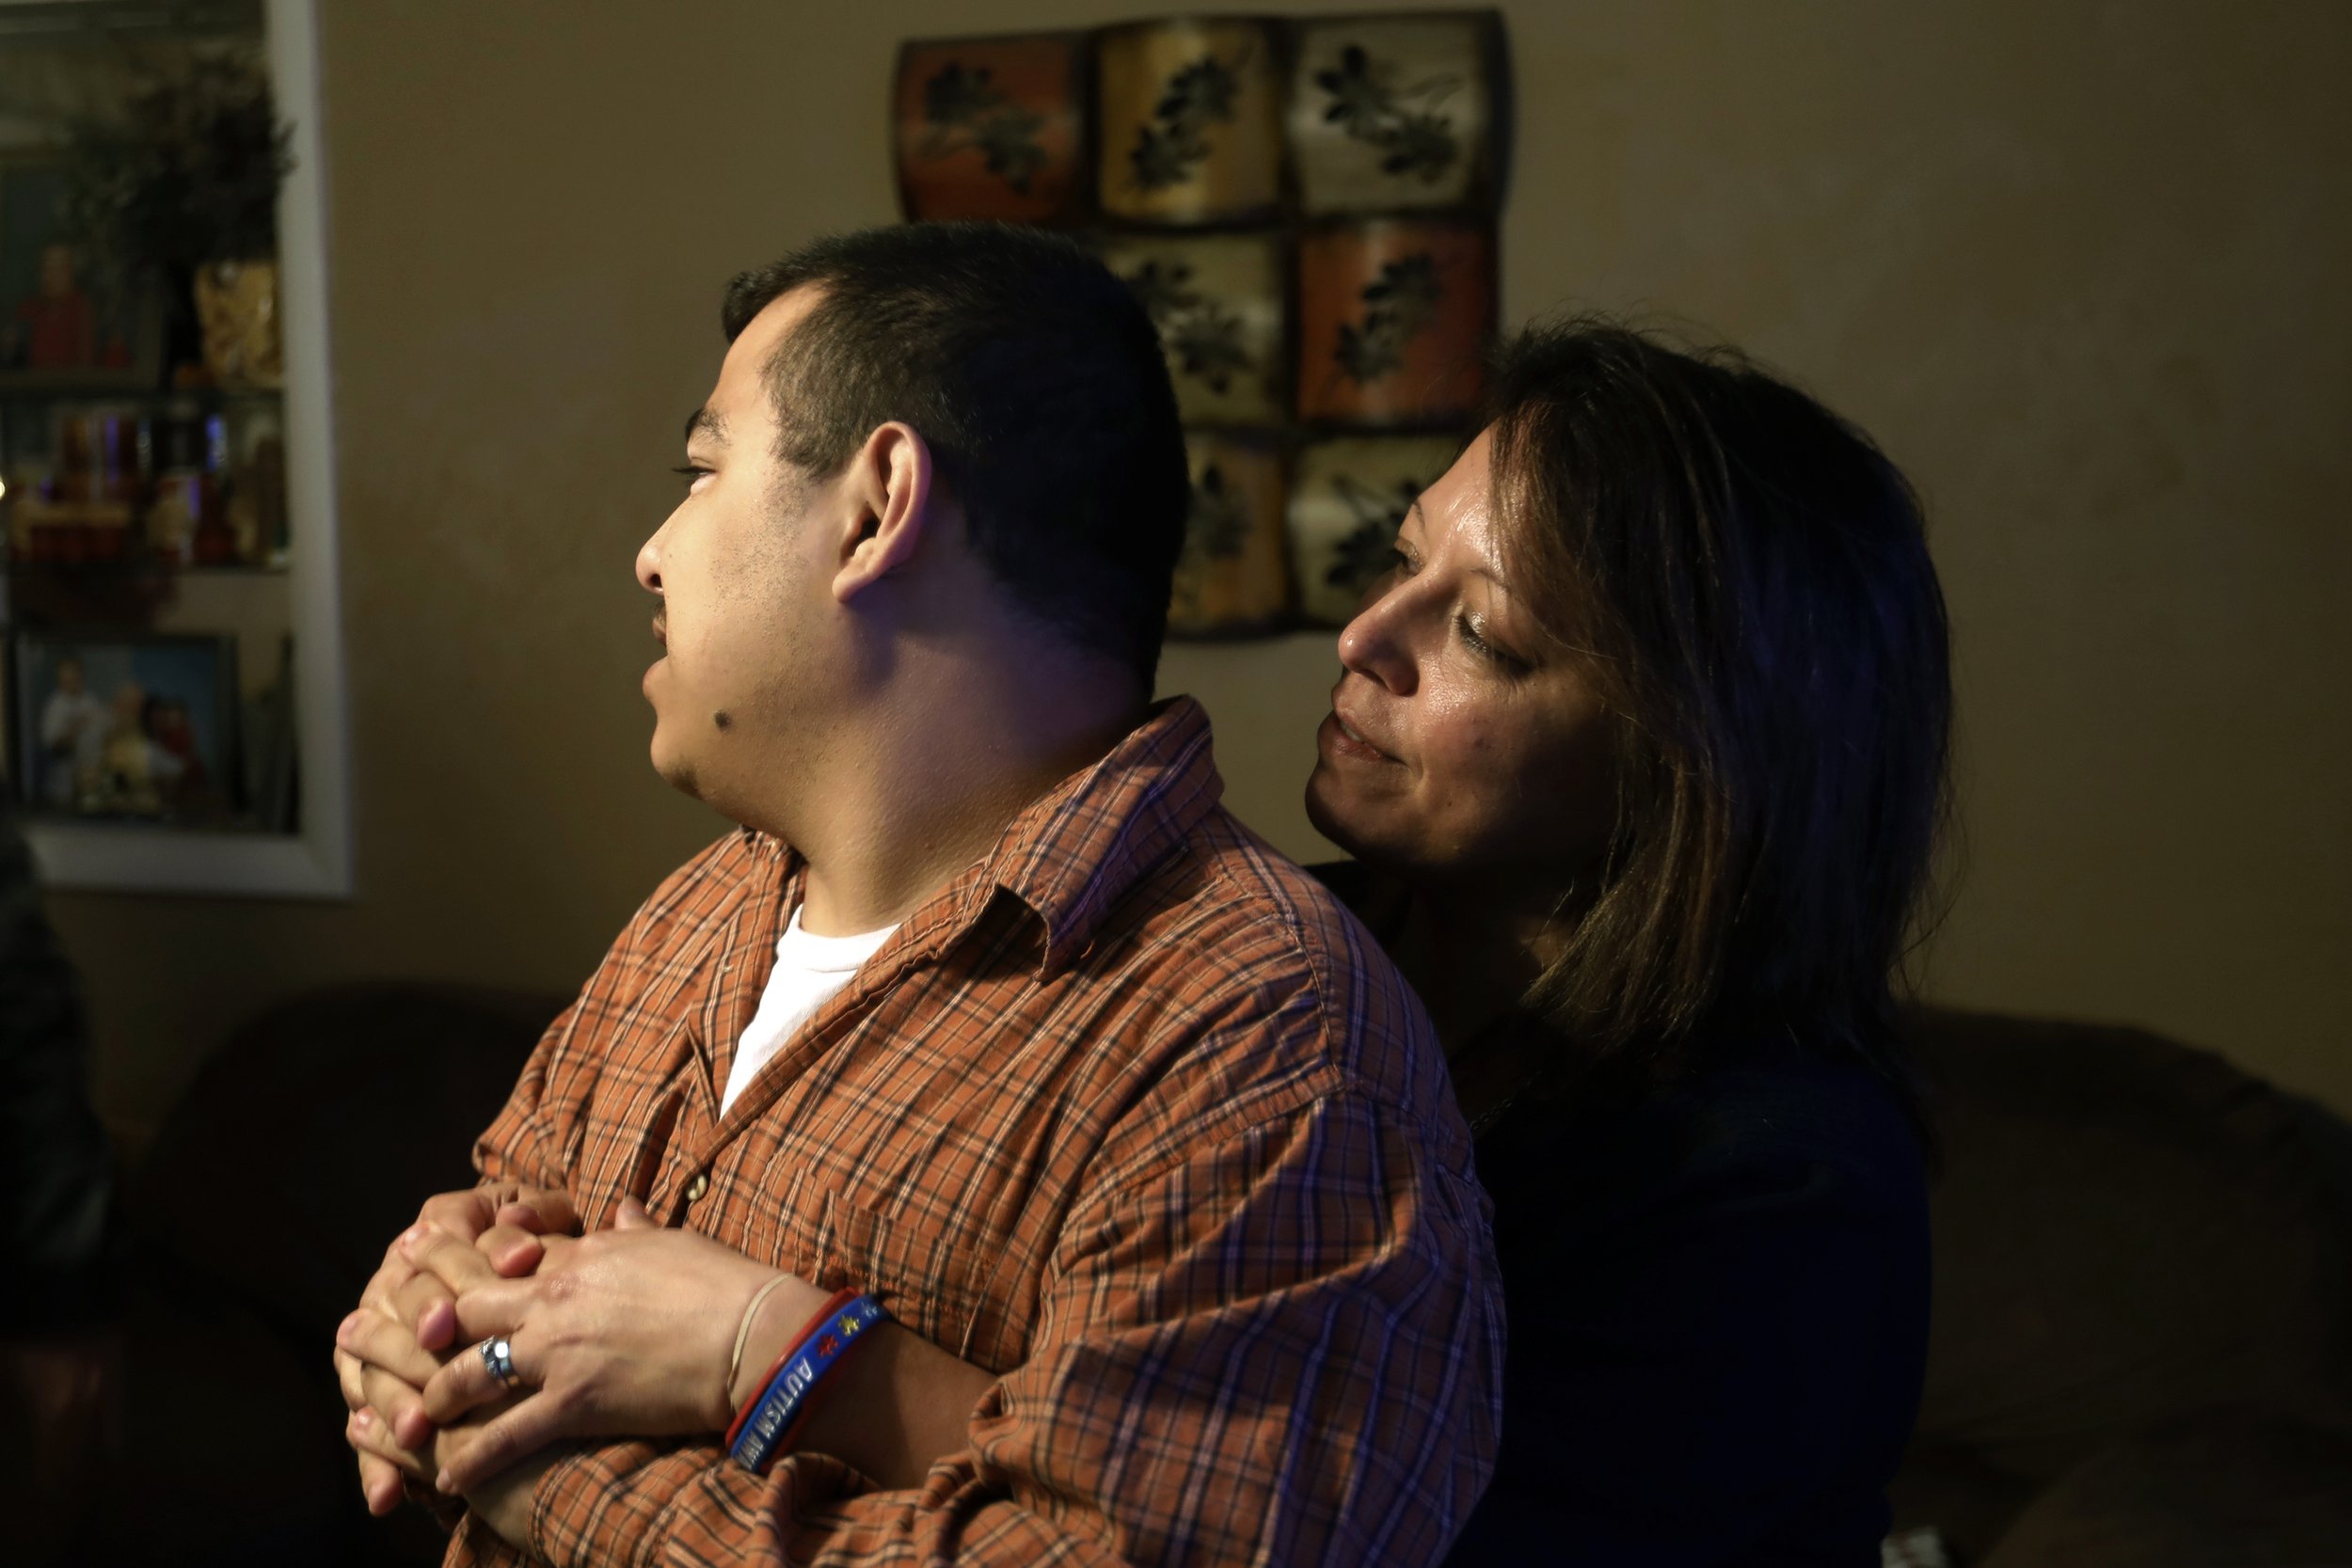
[(702, 422)]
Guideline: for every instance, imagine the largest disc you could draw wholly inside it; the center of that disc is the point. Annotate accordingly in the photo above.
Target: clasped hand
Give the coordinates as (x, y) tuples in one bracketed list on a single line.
[(627, 1331)]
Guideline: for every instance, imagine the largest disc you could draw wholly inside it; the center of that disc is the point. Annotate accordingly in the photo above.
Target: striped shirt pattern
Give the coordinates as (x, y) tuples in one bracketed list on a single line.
[(1133, 1115)]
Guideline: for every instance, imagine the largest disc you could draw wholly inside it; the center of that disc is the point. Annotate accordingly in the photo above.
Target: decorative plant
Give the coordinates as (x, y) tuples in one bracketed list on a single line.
[(188, 172)]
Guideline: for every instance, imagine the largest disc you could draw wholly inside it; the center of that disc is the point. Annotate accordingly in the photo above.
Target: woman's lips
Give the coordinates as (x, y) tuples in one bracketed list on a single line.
[(1338, 737)]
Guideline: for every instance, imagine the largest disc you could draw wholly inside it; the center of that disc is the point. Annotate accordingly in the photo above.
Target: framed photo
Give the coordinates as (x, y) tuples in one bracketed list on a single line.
[(1396, 113), (65, 325), (116, 725), (1218, 301), (992, 128)]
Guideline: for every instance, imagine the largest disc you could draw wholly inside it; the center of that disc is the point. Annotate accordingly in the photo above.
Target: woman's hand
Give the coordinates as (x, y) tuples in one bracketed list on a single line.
[(623, 1332)]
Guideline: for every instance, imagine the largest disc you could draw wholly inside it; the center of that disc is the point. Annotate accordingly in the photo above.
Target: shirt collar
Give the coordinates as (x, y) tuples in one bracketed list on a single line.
[(1072, 853)]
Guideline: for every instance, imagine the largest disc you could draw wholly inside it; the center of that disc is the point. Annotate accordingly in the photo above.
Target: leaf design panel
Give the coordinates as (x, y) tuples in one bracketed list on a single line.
[(1392, 115), (1348, 497), (1219, 304), (1232, 575), (992, 128), (1392, 320), (1190, 122)]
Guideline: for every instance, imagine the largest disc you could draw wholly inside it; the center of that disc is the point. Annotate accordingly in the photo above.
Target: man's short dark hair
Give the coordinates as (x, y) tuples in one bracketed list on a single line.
[(1035, 378)]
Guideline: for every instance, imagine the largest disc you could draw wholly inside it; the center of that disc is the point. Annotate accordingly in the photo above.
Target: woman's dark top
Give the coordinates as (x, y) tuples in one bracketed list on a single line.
[(1717, 1296)]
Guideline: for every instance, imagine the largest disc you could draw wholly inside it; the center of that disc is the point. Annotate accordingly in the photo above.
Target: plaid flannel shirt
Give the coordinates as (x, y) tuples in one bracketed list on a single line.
[(1132, 1115)]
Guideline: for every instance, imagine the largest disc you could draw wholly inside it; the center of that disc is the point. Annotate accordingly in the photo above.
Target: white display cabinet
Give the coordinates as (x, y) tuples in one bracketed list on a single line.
[(289, 835)]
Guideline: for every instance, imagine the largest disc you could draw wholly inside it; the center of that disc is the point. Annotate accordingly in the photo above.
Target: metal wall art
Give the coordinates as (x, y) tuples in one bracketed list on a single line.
[(1220, 303), (994, 128), (1392, 114), (1232, 579), (1348, 496), (1306, 209), (1191, 123), (1387, 310)]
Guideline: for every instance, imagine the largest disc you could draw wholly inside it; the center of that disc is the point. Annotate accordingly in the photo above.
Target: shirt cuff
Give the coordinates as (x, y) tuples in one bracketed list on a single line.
[(447, 1511)]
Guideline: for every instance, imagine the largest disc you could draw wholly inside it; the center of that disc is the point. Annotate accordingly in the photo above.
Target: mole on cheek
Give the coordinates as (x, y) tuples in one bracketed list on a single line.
[(720, 718)]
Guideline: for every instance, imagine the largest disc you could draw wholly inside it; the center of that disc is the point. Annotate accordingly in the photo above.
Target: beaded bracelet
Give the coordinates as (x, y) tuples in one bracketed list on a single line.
[(763, 1429)]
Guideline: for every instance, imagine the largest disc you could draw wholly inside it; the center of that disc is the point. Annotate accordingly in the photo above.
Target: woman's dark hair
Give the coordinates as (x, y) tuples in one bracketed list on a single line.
[(1746, 579), (1037, 381)]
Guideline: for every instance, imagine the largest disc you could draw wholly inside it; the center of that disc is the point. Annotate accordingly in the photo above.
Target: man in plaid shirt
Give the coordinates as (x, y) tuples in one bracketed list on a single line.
[(987, 1009)]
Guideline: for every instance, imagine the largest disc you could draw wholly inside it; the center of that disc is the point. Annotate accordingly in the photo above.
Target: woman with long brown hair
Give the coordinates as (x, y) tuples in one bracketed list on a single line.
[(1640, 748)]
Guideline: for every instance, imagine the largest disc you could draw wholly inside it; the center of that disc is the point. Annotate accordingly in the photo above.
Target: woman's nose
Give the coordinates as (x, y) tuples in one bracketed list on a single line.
[(1371, 646)]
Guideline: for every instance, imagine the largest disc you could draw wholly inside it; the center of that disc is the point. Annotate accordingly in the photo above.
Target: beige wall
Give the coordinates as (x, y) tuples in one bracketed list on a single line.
[(2078, 266)]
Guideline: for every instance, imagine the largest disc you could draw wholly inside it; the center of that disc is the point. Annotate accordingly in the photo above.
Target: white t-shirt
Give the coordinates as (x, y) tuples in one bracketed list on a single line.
[(809, 970)]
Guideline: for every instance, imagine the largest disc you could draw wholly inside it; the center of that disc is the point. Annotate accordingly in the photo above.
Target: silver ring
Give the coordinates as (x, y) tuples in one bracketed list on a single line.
[(498, 1356)]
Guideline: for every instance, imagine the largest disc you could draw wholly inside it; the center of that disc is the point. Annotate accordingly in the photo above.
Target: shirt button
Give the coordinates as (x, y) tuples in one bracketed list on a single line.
[(700, 1185)]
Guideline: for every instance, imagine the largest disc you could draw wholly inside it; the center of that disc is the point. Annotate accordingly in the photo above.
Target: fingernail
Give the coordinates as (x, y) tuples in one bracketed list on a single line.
[(363, 1418)]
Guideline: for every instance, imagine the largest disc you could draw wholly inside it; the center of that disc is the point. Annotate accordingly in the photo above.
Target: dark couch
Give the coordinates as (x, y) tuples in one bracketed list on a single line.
[(2143, 1298), (2141, 1351), (258, 1213)]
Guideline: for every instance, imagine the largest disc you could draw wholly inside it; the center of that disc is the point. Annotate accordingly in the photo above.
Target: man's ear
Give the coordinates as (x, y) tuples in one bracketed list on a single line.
[(891, 514)]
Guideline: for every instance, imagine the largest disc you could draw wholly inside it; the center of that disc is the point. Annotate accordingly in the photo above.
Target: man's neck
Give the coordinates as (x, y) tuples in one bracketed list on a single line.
[(935, 791)]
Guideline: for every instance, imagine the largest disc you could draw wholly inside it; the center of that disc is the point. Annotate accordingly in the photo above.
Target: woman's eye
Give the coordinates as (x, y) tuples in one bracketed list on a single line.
[(1468, 631)]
